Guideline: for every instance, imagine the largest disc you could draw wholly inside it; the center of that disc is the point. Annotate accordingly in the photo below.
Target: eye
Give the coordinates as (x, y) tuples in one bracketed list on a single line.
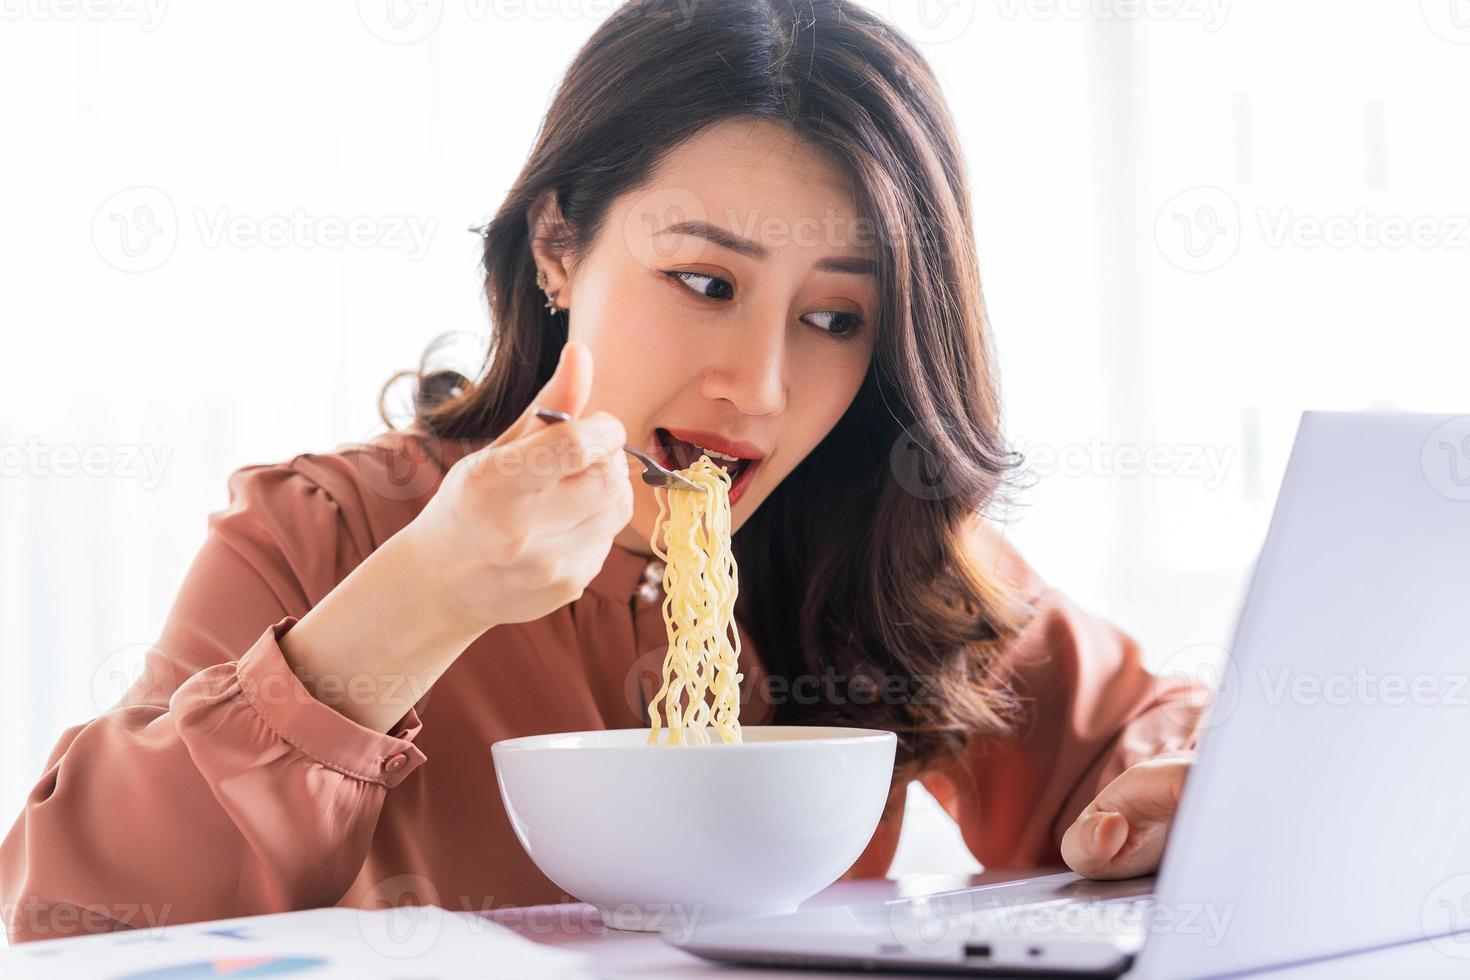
[(699, 283), (836, 323), (839, 324)]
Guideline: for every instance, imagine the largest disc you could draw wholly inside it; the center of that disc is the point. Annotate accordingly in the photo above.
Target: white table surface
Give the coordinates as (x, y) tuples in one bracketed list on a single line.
[(618, 955)]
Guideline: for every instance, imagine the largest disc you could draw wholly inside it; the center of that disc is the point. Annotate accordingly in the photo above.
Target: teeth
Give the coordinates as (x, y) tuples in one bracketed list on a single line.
[(714, 455)]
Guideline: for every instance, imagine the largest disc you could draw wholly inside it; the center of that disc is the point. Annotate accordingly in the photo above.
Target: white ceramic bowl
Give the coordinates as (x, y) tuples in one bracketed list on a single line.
[(660, 836)]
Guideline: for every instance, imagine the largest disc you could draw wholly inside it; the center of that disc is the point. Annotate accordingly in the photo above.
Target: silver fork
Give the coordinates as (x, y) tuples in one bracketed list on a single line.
[(655, 474)]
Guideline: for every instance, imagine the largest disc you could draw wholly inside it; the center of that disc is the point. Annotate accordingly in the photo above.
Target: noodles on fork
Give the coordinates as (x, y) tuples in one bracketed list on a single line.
[(701, 679)]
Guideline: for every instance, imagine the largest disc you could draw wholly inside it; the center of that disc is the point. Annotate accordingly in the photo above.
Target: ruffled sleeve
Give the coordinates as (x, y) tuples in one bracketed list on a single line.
[(218, 786)]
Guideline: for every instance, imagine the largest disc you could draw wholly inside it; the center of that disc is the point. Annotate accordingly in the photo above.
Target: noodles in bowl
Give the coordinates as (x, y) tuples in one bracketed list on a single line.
[(695, 817)]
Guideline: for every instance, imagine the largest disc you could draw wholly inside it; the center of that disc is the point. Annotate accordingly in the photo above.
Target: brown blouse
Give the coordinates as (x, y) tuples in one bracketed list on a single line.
[(220, 787)]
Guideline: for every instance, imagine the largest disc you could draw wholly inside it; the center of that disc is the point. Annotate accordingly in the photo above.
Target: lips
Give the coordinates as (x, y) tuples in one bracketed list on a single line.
[(680, 451)]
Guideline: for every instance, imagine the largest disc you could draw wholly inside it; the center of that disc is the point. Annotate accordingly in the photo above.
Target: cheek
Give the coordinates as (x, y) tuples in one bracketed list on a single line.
[(832, 373), (637, 362), (829, 384)]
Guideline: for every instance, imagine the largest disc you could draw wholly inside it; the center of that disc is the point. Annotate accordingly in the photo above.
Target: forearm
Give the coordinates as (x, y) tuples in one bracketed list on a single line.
[(379, 640)]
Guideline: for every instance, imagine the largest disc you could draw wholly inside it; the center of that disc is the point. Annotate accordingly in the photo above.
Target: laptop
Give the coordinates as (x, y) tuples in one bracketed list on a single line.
[(1329, 810)]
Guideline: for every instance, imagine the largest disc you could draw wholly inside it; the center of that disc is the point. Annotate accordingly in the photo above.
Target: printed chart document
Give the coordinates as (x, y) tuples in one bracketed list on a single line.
[(315, 944)]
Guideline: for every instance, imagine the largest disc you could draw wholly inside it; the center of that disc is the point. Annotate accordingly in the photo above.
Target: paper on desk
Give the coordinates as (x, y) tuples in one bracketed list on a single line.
[(409, 941)]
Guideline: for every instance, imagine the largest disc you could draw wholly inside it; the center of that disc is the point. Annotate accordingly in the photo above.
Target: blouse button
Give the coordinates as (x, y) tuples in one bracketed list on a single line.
[(396, 762)]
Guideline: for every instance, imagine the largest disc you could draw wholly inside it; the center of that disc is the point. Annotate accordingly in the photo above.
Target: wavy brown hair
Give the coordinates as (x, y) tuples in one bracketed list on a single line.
[(856, 568)]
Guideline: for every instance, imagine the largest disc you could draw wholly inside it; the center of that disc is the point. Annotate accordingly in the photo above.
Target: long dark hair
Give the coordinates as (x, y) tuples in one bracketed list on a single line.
[(857, 567)]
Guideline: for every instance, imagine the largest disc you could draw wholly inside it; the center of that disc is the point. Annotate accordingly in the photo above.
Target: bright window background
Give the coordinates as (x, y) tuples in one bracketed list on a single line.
[(1146, 191)]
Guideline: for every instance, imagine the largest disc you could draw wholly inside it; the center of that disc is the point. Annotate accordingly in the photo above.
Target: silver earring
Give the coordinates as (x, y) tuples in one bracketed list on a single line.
[(551, 296)]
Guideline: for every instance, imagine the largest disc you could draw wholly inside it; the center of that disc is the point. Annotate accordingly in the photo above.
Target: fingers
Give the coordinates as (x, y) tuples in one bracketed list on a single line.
[(552, 453), (614, 511), (1122, 833), (566, 390), (611, 512), (592, 501), (564, 450)]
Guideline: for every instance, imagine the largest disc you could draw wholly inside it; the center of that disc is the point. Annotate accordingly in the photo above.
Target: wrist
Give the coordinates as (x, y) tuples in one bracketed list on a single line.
[(426, 590), (423, 603)]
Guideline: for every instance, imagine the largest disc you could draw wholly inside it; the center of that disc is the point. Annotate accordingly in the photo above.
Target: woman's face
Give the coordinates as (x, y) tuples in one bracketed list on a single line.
[(729, 305)]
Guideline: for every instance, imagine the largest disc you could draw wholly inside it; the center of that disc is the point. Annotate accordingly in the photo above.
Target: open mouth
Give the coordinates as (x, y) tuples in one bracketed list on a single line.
[(678, 454)]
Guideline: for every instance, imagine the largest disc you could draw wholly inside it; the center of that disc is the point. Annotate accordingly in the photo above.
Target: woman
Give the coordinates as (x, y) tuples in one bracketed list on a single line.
[(746, 231)]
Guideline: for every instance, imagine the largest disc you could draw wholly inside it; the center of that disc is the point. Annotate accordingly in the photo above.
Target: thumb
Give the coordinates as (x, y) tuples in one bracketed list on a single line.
[(1122, 833), (567, 390), (1093, 843)]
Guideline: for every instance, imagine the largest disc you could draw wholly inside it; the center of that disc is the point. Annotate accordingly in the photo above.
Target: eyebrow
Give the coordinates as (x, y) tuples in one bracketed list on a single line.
[(852, 264)]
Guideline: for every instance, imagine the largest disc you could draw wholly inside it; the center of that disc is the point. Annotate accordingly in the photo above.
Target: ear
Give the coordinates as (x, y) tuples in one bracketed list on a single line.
[(544, 224)]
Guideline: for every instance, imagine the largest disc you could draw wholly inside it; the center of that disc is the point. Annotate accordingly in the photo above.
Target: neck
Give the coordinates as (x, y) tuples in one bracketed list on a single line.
[(630, 540)]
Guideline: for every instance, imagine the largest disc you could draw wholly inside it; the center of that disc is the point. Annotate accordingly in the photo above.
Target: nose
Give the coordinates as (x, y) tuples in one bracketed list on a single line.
[(748, 368)]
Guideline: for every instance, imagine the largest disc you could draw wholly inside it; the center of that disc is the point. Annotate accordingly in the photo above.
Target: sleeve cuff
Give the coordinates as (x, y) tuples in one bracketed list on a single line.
[(283, 703)]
